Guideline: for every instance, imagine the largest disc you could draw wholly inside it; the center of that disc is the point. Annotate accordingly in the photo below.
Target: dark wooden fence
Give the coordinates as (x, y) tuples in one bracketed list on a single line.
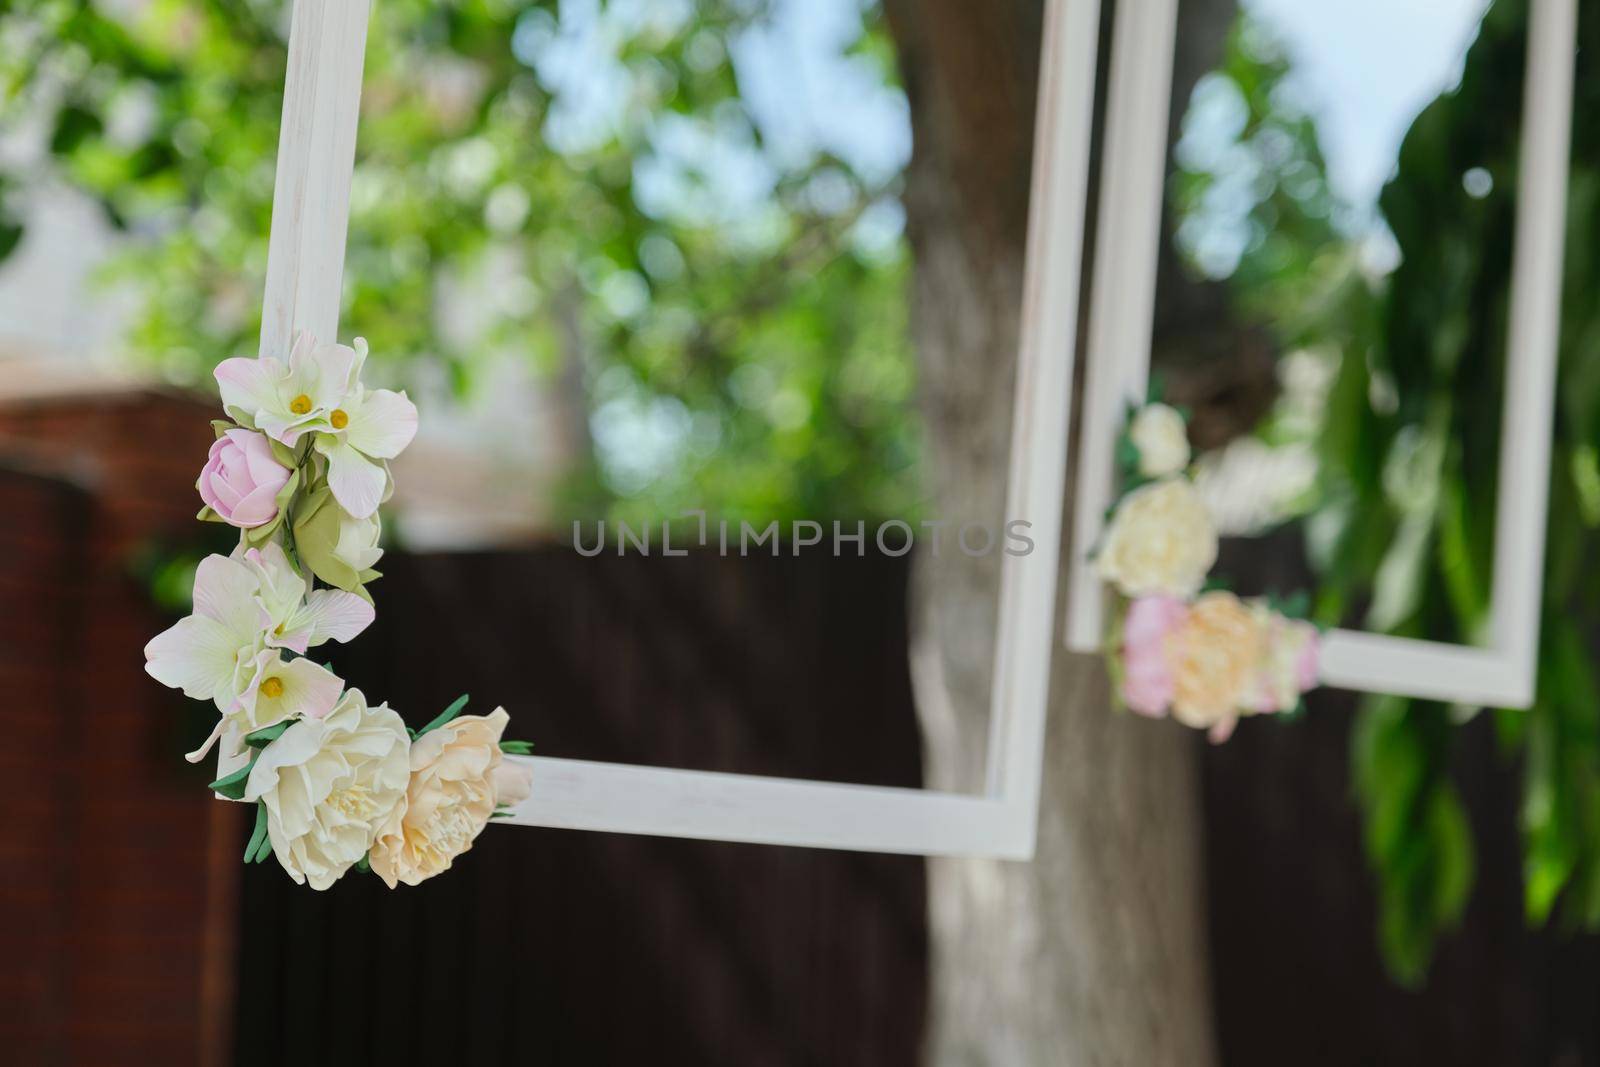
[(547, 946), (132, 935)]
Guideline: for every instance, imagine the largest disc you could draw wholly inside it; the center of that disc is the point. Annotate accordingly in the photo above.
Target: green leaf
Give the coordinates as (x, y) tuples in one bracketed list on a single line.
[(264, 851), (283, 453), (446, 715), (267, 734), (317, 527), (517, 748), (1127, 458), (74, 126), (10, 237), (232, 785), (258, 835)]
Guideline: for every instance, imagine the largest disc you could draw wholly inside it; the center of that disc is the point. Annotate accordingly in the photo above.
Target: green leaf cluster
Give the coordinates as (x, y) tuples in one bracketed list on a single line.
[(1403, 533), (769, 347)]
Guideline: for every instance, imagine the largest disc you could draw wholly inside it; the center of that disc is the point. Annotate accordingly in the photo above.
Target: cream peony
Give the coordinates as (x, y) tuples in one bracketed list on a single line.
[(1162, 440), (457, 780), (329, 784), (1160, 543), (1215, 658)]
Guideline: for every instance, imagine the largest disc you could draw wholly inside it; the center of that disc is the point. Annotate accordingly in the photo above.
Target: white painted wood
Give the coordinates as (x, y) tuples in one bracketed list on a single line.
[(1123, 294), (1427, 670), (580, 795), (1532, 348), (1503, 674), (316, 157), (311, 191), (310, 216), (1042, 412)]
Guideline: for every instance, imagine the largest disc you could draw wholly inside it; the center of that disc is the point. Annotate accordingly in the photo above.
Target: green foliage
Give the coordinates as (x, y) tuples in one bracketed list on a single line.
[(1416, 831), (1412, 462), (1404, 530), (489, 227)]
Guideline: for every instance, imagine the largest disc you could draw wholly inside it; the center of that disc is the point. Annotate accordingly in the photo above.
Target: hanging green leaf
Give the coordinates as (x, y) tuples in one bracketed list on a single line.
[(258, 835)]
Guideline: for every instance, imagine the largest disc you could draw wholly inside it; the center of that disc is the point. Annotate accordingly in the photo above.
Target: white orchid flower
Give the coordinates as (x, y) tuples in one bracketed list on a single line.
[(319, 392), (285, 400), (247, 609), (294, 616), (376, 425), (276, 689)]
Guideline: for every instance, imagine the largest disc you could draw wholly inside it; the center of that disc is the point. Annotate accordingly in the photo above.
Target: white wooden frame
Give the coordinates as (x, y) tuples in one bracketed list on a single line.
[(1504, 672), (316, 153)]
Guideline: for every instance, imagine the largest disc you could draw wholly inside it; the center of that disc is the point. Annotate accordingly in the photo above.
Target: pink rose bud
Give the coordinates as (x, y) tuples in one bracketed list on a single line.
[(241, 479)]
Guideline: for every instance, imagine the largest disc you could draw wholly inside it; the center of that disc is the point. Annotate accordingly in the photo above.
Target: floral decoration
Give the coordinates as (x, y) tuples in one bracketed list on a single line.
[(300, 468), (1202, 656)]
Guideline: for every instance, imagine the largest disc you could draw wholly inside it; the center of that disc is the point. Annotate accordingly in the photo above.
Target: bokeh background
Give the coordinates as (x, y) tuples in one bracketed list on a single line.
[(638, 257)]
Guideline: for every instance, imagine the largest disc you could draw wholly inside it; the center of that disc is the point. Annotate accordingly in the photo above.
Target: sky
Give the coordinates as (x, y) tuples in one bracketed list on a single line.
[(1366, 69)]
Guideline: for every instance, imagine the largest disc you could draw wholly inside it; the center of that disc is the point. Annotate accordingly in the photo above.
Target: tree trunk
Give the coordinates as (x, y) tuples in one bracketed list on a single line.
[(1094, 953)]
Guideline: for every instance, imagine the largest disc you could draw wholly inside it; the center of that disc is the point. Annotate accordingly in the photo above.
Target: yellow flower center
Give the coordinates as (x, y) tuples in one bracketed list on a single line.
[(272, 688), (356, 801), (339, 419), (300, 404)]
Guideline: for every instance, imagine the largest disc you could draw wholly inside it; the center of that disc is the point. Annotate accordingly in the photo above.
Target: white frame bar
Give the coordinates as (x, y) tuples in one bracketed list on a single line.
[(1504, 673), (304, 270)]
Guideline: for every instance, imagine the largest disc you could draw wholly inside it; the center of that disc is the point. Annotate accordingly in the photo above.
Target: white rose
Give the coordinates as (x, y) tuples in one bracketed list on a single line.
[(329, 784), (1161, 541), (1162, 439), (458, 778)]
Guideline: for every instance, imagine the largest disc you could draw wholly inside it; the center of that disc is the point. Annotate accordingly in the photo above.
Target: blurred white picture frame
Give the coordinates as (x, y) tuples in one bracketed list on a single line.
[(1501, 673), (310, 217)]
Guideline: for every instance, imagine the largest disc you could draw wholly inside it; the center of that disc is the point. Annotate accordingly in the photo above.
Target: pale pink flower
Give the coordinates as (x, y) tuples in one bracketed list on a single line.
[(242, 478), (458, 779), (248, 610), (1147, 681), (319, 392)]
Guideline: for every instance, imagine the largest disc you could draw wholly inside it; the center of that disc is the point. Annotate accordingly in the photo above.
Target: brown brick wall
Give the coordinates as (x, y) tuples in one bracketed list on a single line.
[(121, 911)]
